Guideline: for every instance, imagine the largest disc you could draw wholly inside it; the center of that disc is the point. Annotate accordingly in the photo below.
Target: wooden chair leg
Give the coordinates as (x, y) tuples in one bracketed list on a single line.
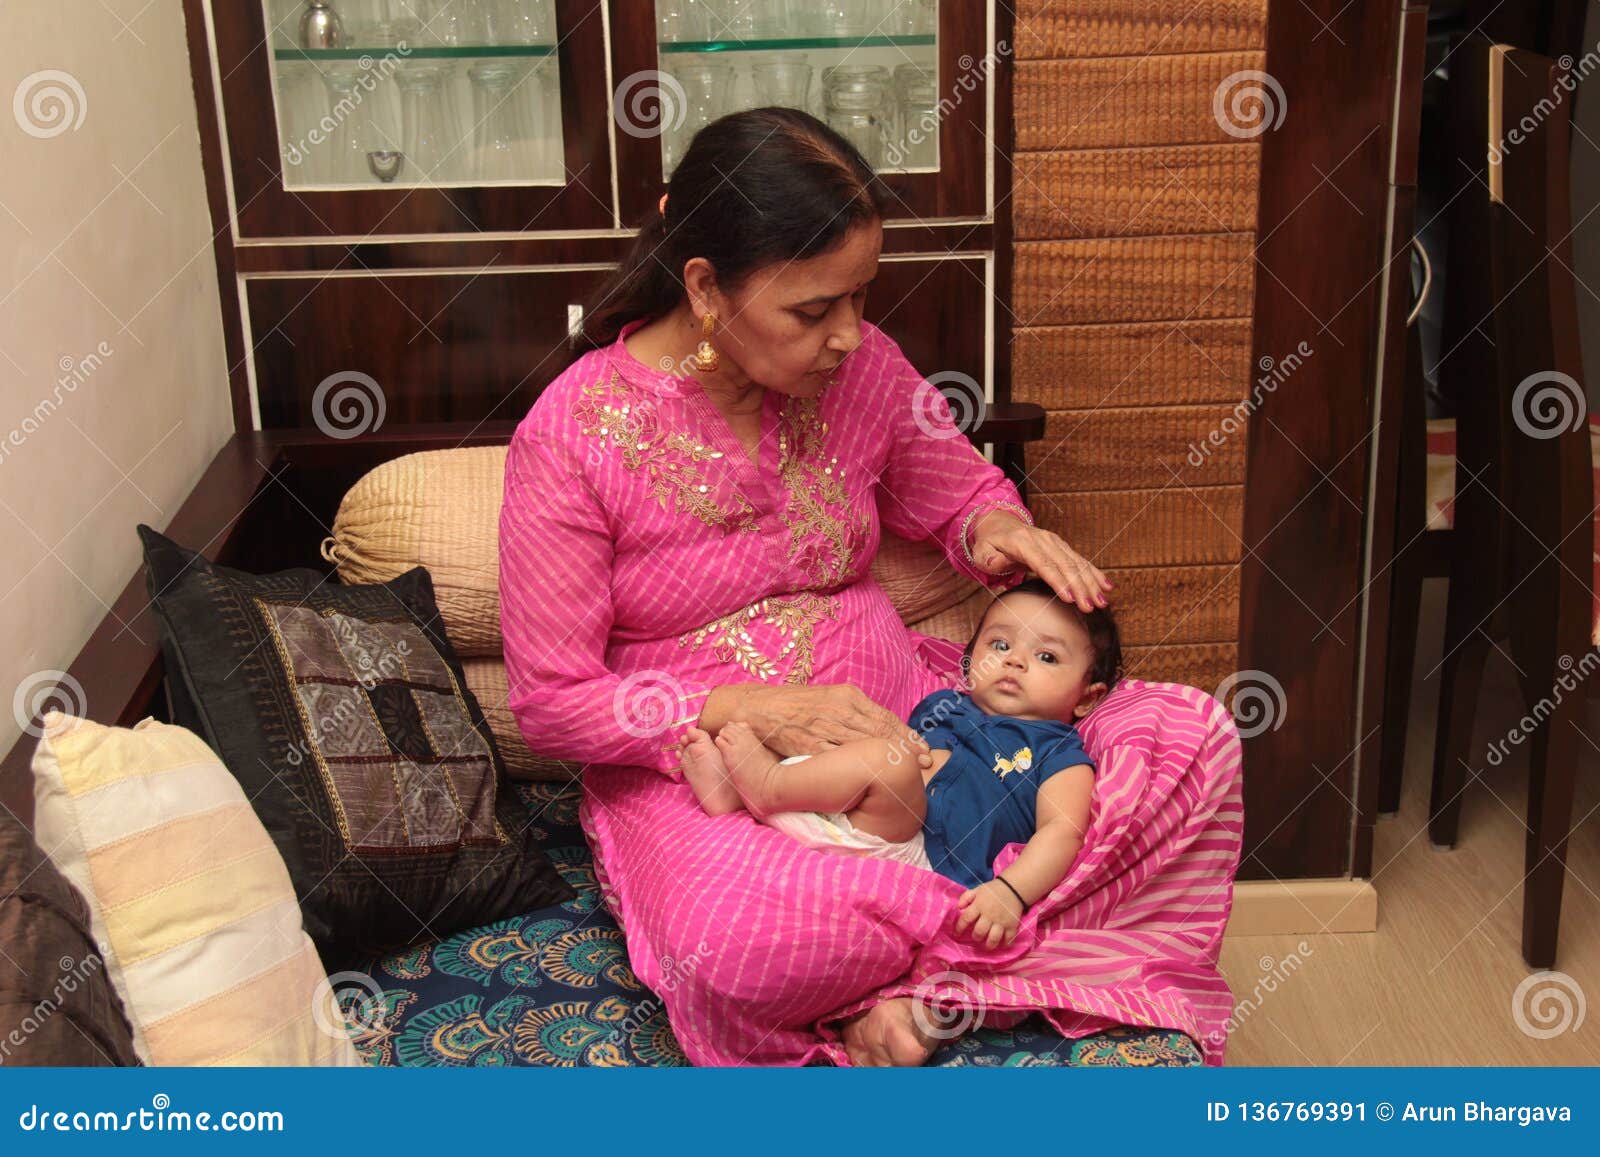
[(1460, 680), (1405, 587), (1404, 609), (1552, 766)]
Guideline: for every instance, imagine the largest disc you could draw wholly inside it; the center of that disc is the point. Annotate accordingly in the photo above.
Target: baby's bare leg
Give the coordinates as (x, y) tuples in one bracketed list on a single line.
[(706, 772), (876, 783)]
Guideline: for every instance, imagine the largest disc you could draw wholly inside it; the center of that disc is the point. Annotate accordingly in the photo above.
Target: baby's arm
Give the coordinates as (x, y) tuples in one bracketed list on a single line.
[(1063, 820)]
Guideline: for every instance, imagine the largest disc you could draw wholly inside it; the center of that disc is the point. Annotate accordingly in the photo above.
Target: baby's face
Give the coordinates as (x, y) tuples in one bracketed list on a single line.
[(1032, 660)]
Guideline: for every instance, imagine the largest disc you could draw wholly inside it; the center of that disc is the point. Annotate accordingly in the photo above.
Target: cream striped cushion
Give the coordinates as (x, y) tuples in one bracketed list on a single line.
[(190, 902)]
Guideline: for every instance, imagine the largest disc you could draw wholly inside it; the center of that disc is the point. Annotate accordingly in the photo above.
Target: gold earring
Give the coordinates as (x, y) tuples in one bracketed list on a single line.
[(705, 355)]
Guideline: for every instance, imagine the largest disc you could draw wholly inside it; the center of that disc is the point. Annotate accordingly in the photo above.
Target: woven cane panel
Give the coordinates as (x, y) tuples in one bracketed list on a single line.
[(1133, 284), (1051, 28), (1066, 367), (1136, 192), (1123, 101)]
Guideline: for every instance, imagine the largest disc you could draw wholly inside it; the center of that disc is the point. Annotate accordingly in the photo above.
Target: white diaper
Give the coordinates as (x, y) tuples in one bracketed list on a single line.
[(833, 831)]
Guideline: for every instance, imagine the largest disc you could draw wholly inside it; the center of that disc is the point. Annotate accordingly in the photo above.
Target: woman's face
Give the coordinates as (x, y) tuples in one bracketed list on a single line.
[(791, 323)]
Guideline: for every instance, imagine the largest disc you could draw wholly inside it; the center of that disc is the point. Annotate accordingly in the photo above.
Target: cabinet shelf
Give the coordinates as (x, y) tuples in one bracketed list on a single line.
[(794, 43), (425, 52)]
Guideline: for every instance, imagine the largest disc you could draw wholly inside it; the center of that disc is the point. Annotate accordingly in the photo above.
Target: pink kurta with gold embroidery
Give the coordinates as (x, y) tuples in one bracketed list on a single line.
[(645, 559)]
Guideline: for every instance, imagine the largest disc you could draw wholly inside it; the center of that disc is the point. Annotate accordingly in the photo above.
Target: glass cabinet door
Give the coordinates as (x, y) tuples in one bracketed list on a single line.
[(416, 93), (870, 68)]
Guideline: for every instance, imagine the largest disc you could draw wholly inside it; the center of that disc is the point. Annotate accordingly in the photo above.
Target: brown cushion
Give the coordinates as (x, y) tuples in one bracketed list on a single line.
[(57, 1006)]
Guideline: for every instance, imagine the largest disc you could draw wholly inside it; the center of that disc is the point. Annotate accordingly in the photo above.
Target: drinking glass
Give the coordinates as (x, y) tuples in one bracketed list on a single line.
[(293, 123), (680, 20), (381, 23), (428, 139), (910, 18), (845, 17), (782, 78), (521, 22), (456, 24), (541, 91), (707, 87), (503, 138), (751, 19)]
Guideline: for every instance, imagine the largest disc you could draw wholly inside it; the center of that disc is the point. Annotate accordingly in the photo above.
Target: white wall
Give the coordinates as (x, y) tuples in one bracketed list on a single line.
[(113, 378)]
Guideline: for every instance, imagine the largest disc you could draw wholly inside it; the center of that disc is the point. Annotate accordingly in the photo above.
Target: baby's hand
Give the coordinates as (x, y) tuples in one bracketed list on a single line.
[(991, 911)]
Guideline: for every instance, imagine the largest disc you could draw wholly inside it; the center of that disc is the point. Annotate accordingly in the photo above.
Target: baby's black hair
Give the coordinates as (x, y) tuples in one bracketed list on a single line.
[(1098, 623)]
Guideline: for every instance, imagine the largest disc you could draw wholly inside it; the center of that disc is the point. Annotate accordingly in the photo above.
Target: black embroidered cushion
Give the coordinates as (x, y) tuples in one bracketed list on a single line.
[(343, 712)]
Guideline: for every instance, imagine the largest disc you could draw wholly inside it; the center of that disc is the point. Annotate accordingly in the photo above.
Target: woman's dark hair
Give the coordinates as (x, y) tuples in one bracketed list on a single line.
[(755, 187), (1098, 623)]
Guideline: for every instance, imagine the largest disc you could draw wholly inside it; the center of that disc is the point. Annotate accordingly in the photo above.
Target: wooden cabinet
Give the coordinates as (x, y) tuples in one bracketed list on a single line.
[(453, 287)]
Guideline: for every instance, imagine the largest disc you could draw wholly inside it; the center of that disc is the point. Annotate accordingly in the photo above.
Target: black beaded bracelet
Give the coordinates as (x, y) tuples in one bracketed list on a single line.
[(1014, 892)]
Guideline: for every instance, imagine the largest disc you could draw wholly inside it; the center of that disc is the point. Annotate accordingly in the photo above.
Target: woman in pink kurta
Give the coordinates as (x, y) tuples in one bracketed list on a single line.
[(657, 574)]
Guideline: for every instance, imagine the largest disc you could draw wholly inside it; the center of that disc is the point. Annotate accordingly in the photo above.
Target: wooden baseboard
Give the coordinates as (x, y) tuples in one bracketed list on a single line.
[(1273, 907)]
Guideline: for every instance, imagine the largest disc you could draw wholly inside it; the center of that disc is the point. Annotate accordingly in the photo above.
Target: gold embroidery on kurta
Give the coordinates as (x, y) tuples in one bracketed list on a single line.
[(671, 460), (795, 616), (818, 501)]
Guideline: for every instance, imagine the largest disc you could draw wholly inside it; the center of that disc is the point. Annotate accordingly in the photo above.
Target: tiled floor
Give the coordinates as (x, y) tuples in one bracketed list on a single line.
[(1435, 983)]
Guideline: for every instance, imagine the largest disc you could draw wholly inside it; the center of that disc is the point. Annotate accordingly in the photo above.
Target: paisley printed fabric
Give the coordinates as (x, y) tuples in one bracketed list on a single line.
[(554, 988)]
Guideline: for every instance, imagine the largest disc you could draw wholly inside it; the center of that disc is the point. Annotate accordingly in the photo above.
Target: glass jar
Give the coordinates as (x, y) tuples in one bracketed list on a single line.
[(857, 100), (916, 123)]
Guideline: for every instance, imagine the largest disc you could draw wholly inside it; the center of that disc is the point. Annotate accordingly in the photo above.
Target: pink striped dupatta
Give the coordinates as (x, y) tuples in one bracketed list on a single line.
[(1130, 937)]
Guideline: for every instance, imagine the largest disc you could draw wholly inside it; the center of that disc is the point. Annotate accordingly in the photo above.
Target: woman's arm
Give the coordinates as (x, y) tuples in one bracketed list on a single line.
[(936, 484), (556, 616), (803, 720)]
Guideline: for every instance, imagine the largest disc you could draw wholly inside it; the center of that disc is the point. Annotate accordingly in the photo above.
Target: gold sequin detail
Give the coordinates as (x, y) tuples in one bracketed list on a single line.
[(672, 460), (794, 616), (816, 490)]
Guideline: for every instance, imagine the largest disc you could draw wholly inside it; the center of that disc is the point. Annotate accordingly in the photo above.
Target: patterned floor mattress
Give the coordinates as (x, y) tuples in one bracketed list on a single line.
[(554, 987)]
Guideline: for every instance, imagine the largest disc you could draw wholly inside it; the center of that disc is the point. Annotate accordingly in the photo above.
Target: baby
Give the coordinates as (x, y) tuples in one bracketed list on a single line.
[(1008, 766)]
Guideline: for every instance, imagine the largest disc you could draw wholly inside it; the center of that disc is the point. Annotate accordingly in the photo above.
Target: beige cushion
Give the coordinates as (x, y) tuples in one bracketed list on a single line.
[(441, 509), (190, 903), (486, 679)]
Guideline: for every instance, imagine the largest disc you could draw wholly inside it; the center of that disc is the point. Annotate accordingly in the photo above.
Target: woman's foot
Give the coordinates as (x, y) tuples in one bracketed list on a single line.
[(752, 765), (706, 772), (886, 1034)]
